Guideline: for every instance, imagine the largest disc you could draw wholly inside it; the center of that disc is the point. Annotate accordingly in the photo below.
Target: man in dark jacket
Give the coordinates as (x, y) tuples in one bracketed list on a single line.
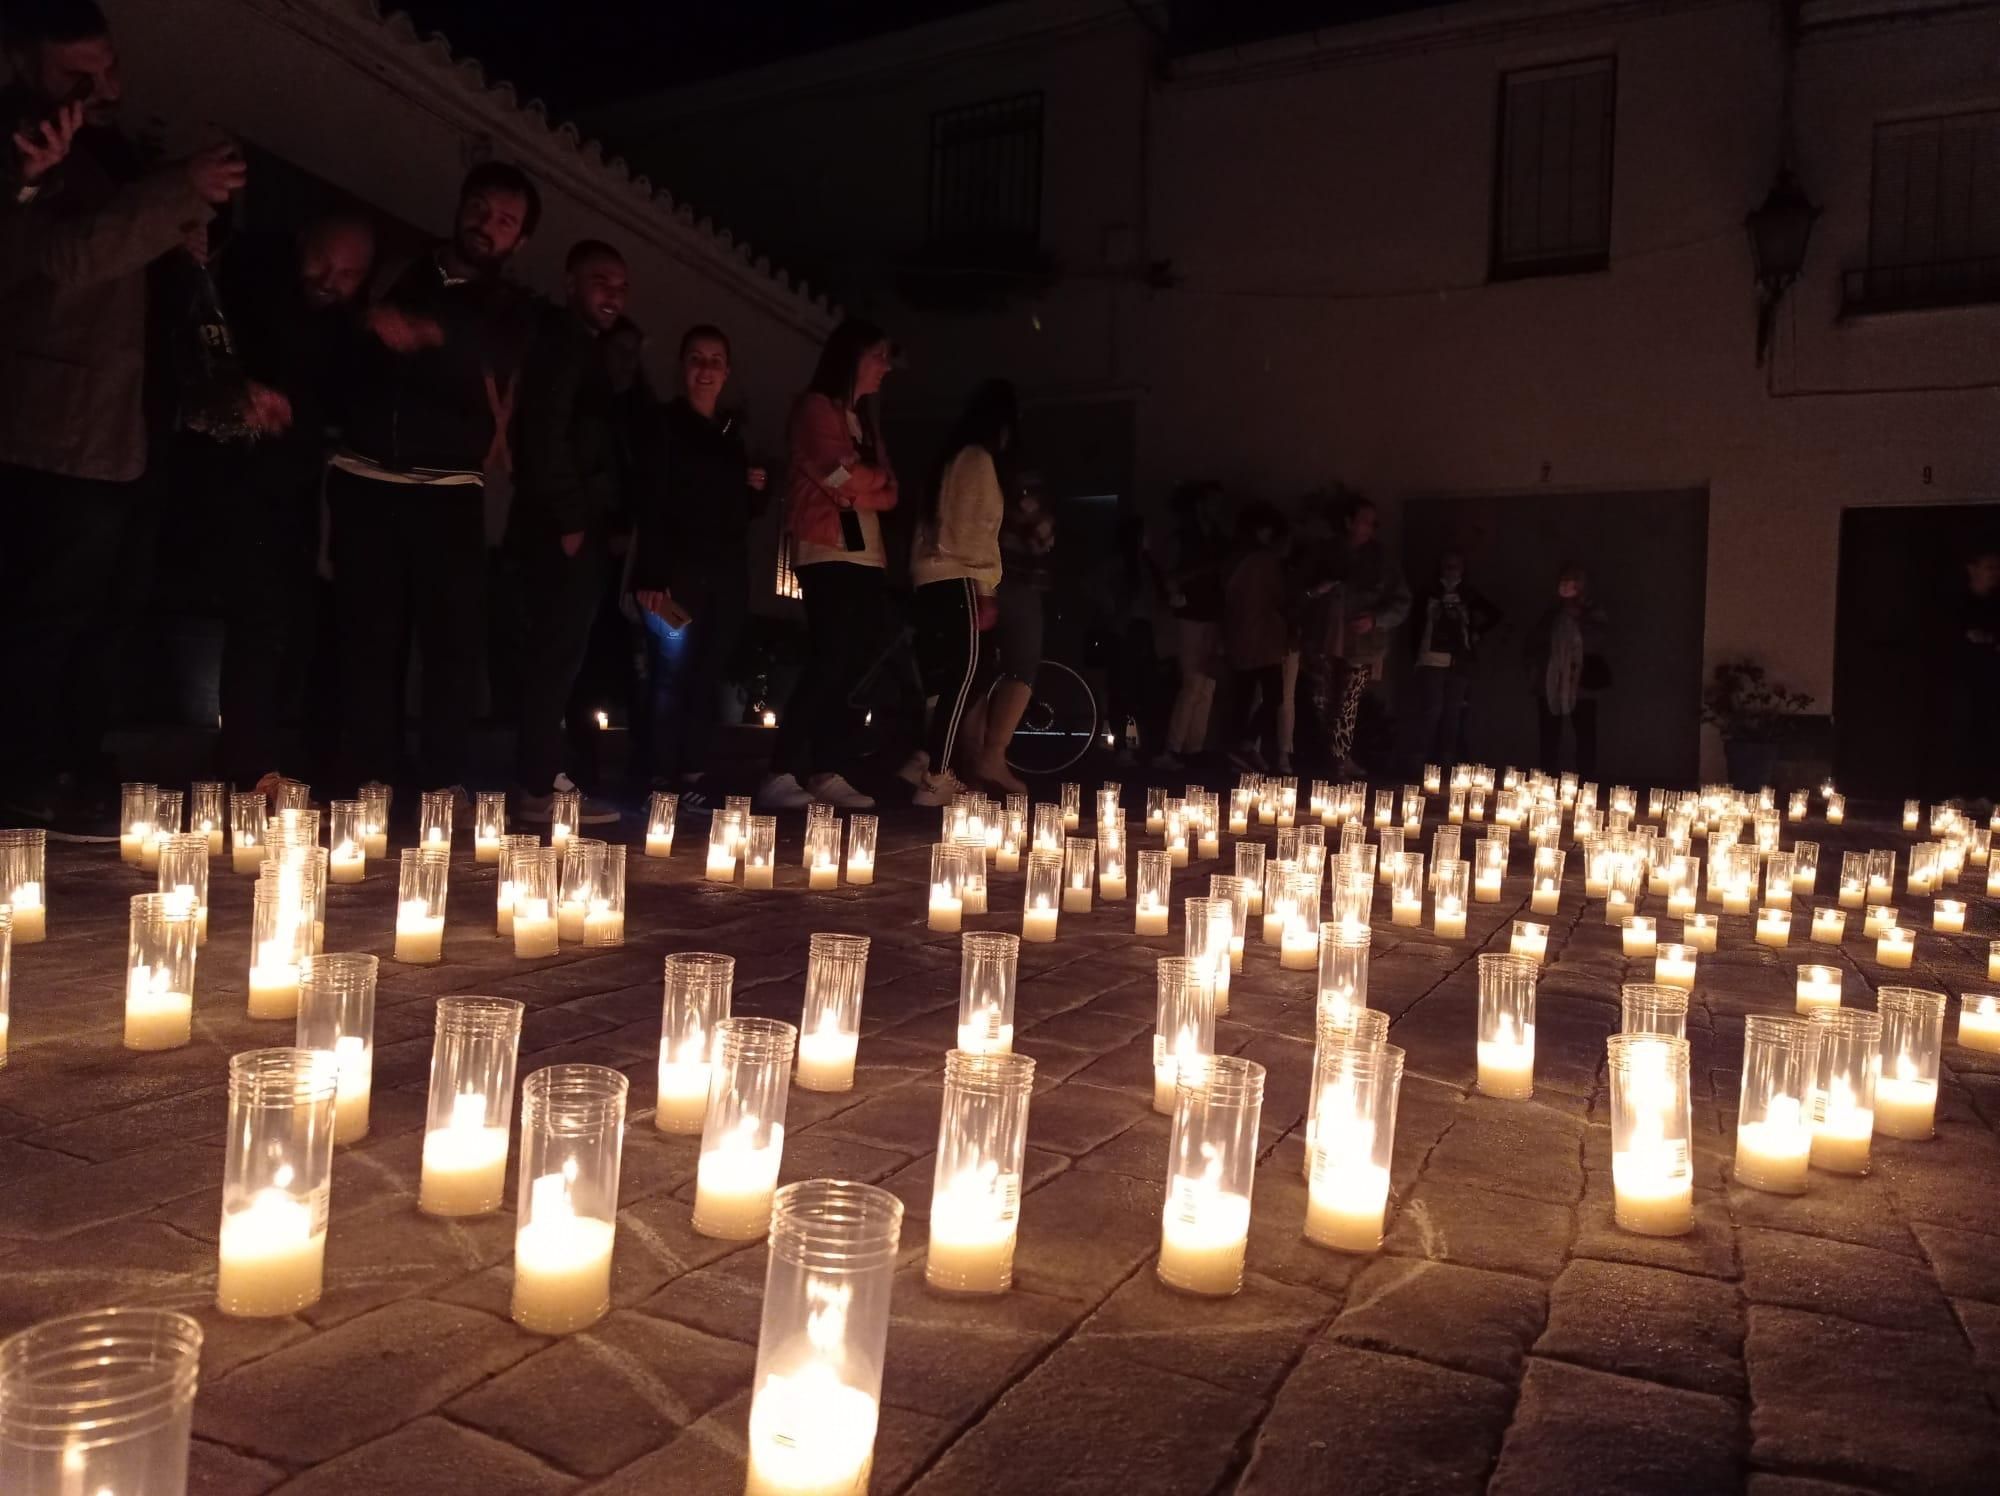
[(427, 408), (566, 503), (691, 568), (290, 300), (80, 225)]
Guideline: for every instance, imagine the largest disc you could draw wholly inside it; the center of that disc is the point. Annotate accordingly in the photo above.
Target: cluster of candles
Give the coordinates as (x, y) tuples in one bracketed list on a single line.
[(1816, 1088)]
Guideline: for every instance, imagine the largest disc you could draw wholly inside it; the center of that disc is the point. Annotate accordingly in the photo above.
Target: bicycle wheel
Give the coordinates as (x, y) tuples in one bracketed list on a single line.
[(1059, 726)]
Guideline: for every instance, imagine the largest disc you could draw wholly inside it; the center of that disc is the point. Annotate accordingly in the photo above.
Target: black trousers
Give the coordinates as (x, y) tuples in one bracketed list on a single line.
[(560, 596), (75, 573), (409, 567), (690, 667), (948, 654), (1583, 722), (1257, 694), (847, 609), (270, 597)]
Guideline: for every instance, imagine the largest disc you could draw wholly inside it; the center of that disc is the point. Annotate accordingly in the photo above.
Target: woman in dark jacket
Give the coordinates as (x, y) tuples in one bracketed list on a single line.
[(1450, 617), (1566, 674)]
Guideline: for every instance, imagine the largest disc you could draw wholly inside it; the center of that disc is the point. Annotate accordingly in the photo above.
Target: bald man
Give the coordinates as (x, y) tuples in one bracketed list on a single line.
[(293, 308)]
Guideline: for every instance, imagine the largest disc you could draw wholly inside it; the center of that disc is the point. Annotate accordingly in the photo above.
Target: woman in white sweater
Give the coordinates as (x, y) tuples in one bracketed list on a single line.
[(955, 566)]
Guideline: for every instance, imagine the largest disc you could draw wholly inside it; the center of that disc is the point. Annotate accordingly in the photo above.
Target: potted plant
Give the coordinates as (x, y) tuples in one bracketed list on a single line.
[(1755, 716)]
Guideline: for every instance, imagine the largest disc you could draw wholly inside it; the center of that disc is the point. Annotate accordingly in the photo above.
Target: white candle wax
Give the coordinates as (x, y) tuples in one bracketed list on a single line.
[(603, 926), (1177, 853), (1486, 888), (1546, 897), (1076, 899), (1534, 944), (986, 1034), (1038, 925), (1149, 918), (1948, 917), (1700, 934), (1779, 897), (947, 911), (246, 859), (1828, 926), (1448, 919), (1256, 905), (1300, 949), (733, 1188), (485, 848), (659, 844), (1210, 847), (1896, 949), (1735, 901), (810, 1435), (1674, 971), (562, 1272), (375, 844), (826, 1058), (271, 1259), (683, 1097), (465, 1163), (1345, 1207), (825, 875), (758, 873), (30, 915), (1006, 859), (1841, 1131), (1649, 1197), (971, 1236), (1238, 824), (559, 834), (1819, 987), (1111, 887), (149, 852), (155, 1019), (1507, 1065), (1993, 963), (1680, 902), (1774, 929), (1641, 938), (274, 989), (419, 936), (1979, 1024), (569, 920), (536, 933), (346, 863), (1772, 1155), (1905, 1107), (721, 865), (1203, 1235), (214, 834), (861, 869), (1407, 912)]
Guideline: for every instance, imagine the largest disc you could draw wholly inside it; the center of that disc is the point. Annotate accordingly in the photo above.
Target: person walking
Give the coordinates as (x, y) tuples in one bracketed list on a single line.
[(690, 568), (567, 500), (83, 222), (838, 483), (1195, 595), (1256, 628), (956, 568), (1451, 617), (1566, 673), (428, 411)]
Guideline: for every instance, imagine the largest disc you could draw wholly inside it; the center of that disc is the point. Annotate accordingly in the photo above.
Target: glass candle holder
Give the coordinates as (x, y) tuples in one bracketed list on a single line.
[(347, 855), (758, 845), (976, 1196), (662, 811), (1641, 936), (565, 815), (743, 1134), (1978, 1022), (1041, 899), (469, 1118), (280, 939), (1778, 880), (947, 888), (489, 824), (1993, 961), (1212, 1156), (820, 1350), (1013, 835), (1773, 1119), (420, 905), (1389, 848), (277, 1174), (337, 1015), (1343, 971), (1072, 806), (1828, 926), (1209, 924), (1242, 805), (24, 882), (1184, 1024), (535, 876), (1818, 987), (1674, 965), (290, 794), (1701, 933), (1298, 948), (375, 825), (1406, 890), (1530, 941), (1111, 868), (510, 848), (1155, 879), (1906, 1089), (99, 1403), (972, 882), (137, 805), (1355, 1089), (1881, 874), (696, 988), (1235, 892), (1805, 866), (604, 917), (1545, 891), (572, 1143), (1652, 1008), (1853, 892), (1912, 812), (1948, 916), (819, 814), (1489, 869), (582, 863), (989, 966), (726, 830), (1652, 1127), (208, 812), (1774, 928), (183, 876), (159, 973), (1507, 1026), (862, 834), (1156, 808), (434, 816), (1847, 1060), (1048, 829), (830, 1024), (1079, 874), (1896, 948), (822, 855), (1452, 890)]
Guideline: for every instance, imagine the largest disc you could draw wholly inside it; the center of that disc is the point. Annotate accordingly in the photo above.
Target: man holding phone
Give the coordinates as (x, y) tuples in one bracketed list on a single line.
[(82, 221), (691, 570)]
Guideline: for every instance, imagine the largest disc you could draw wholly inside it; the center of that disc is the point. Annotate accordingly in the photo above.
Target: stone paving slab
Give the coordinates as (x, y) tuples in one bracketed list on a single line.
[(1509, 1337)]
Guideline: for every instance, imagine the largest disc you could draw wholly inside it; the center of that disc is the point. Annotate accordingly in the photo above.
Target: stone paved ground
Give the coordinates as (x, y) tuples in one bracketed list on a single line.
[(1508, 1338)]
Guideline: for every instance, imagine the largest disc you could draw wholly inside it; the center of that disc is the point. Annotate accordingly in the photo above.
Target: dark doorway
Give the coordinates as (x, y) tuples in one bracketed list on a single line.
[(1902, 570), (1647, 559)]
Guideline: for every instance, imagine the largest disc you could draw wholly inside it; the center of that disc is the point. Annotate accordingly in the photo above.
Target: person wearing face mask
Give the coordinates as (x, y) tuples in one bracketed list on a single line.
[(291, 300), (1566, 673), (690, 569), (82, 222), (838, 484), (1451, 616)]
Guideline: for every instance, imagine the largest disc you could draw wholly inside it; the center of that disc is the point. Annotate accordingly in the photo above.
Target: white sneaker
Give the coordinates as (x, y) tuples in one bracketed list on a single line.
[(783, 792), (589, 812), (914, 768), (836, 791), (937, 789)]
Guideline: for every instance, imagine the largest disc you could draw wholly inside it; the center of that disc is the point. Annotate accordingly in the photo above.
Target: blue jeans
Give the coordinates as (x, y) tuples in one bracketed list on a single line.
[(690, 669)]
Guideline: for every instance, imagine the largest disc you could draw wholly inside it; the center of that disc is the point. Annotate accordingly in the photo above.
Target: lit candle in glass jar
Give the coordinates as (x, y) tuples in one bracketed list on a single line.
[(1828, 926), (1896, 948), (1819, 987), (1641, 935), (1948, 916)]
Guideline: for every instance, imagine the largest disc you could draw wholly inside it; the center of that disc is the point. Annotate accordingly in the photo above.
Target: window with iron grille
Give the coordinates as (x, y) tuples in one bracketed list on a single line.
[(1552, 187), (1934, 215), (787, 580), (986, 175)]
